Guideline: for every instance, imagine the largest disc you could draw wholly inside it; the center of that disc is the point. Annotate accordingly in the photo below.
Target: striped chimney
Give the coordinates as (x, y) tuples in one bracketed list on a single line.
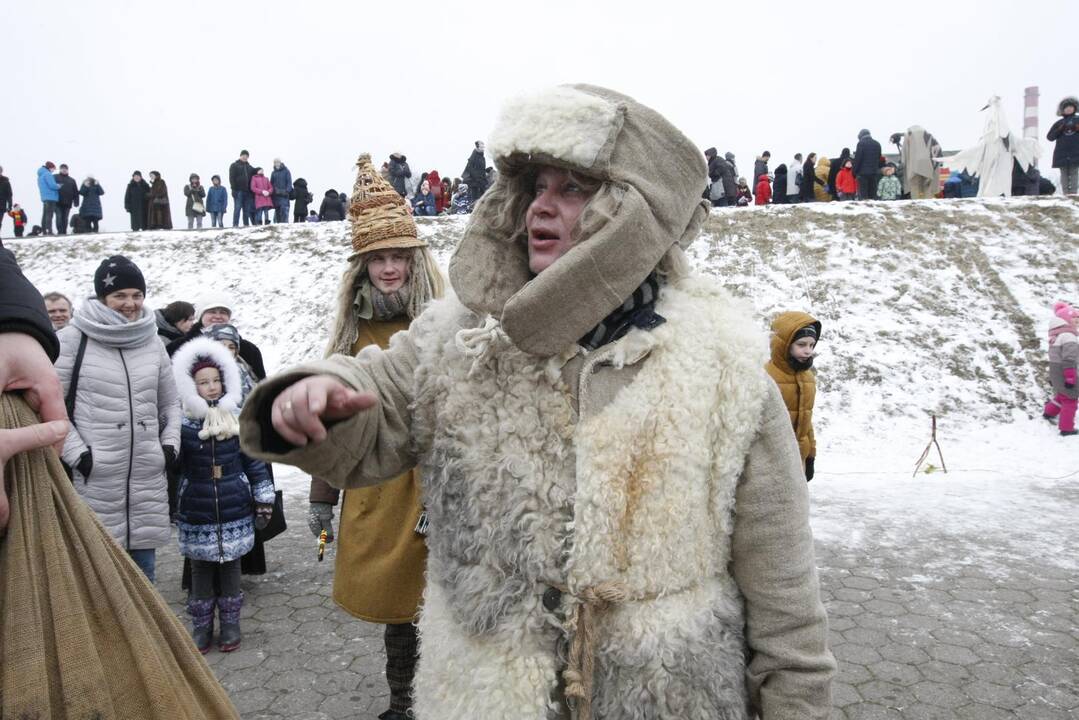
[(1030, 113)]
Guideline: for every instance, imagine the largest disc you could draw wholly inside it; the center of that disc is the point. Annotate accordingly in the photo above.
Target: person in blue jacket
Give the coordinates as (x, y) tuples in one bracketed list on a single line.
[(281, 182), (217, 202), (50, 195), (423, 202)]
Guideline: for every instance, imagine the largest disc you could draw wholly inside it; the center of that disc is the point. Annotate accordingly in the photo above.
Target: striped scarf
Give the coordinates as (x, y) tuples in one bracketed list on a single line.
[(638, 311)]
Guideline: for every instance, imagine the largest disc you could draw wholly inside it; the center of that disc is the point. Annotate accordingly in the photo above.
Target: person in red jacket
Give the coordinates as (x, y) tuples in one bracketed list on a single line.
[(441, 201), (845, 182), (19, 216), (764, 190)]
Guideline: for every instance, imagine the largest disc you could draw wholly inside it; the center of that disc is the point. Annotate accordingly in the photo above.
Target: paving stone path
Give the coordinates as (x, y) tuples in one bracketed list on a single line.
[(973, 643)]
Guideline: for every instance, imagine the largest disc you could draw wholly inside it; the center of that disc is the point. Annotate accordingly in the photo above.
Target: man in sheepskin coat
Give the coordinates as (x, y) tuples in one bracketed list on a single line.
[(618, 518)]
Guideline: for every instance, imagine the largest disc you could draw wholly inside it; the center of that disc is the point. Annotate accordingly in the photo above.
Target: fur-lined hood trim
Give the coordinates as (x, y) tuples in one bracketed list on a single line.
[(1070, 100), (184, 360), (649, 200)]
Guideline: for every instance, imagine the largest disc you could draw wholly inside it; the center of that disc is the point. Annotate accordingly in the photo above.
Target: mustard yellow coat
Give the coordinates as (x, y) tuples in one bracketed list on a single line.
[(799, 389), (378, 576), (823, 169)]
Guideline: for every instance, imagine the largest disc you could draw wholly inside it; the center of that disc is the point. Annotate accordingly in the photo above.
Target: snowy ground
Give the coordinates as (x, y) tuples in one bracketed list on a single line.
[(1009, 494)]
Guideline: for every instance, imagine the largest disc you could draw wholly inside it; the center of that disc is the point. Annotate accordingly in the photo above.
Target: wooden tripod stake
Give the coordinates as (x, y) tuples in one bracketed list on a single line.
[(928, 447)]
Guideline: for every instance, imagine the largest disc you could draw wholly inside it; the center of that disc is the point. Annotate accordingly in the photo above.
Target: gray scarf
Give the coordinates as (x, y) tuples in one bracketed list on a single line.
[(109, 327), (373, 304)]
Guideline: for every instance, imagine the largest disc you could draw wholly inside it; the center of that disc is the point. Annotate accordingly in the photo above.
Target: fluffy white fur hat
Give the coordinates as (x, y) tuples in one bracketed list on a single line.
[(220, 420)]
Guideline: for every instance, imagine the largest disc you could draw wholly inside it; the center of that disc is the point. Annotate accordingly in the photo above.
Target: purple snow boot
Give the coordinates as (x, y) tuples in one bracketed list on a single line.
[(202, 622), (228, 609)]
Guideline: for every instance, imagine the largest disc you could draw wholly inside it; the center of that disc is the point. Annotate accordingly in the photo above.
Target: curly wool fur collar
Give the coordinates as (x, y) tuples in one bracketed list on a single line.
[(522, 492)]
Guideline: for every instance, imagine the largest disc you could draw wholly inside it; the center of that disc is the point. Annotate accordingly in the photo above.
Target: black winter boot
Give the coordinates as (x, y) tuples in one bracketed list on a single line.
[(228, 608), (202, 622)]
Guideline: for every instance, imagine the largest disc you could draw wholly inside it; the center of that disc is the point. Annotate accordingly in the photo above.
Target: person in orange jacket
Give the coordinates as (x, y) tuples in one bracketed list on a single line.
[(794, 343), (764, 190)]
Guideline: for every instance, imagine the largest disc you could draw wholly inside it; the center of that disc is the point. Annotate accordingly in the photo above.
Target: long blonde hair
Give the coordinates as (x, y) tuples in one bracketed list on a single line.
[(425, 282)]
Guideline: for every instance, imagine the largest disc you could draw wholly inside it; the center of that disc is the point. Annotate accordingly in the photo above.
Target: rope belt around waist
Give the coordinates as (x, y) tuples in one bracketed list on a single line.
[(581, 663)]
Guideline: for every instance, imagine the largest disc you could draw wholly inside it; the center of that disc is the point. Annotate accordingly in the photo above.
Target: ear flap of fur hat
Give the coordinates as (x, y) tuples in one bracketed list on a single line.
[(649, 201)]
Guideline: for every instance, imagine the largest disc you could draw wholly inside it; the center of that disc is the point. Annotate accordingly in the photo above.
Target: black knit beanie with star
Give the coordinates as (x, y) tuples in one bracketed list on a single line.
[(117, 273)]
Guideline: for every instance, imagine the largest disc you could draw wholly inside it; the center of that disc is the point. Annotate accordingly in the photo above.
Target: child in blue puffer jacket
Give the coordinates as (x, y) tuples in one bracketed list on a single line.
[(224, 494)]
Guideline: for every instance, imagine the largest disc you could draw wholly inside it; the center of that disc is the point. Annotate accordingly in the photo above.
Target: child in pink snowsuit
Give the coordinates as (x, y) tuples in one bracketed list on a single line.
[(1063, 357)]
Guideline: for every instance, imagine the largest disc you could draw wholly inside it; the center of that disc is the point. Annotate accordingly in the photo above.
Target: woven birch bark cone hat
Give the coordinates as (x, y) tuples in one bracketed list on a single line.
[(378, 214)]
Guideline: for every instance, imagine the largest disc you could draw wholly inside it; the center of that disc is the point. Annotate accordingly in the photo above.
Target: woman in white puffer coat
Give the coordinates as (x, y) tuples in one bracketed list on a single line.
[(125, 423)]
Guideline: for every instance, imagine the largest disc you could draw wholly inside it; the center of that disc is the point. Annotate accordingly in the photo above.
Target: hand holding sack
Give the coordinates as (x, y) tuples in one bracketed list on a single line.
[(82, 631)]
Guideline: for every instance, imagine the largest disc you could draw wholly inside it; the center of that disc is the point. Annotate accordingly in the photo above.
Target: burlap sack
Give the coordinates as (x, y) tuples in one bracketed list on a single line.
[(83, 634)]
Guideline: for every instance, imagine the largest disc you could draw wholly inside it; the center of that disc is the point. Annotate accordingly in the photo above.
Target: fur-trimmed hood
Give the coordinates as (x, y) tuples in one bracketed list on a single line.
[(1070, 100), (648, 202), (184, 360)]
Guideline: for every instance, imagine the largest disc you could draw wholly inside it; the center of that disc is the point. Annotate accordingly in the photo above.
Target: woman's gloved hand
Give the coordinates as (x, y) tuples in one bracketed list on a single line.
[(319, 518), (263, 512), (85, 465)]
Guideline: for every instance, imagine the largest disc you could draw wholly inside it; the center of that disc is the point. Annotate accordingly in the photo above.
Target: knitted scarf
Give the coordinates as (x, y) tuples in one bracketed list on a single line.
[(109, 327), (373, 304), (637, 311)]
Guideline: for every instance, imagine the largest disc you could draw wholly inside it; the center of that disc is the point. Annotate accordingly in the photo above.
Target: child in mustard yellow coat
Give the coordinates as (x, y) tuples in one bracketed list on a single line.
[(794, 342)]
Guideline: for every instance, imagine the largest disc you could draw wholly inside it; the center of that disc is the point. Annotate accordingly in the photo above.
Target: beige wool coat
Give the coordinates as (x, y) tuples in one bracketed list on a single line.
[(787, 668), (662, 464)]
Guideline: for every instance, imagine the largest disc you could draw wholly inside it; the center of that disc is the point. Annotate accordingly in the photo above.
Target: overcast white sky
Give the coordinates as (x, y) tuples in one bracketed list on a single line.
[(181, 87)]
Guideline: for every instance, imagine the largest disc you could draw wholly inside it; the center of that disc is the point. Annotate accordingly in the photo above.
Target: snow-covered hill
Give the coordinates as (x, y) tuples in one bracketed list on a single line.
[(928, 307)]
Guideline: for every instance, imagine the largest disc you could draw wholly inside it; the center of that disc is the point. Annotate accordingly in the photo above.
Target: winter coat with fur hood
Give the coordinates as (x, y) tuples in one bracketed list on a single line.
[(215, 510), (551, 473), (799, 388), (126, 410)]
